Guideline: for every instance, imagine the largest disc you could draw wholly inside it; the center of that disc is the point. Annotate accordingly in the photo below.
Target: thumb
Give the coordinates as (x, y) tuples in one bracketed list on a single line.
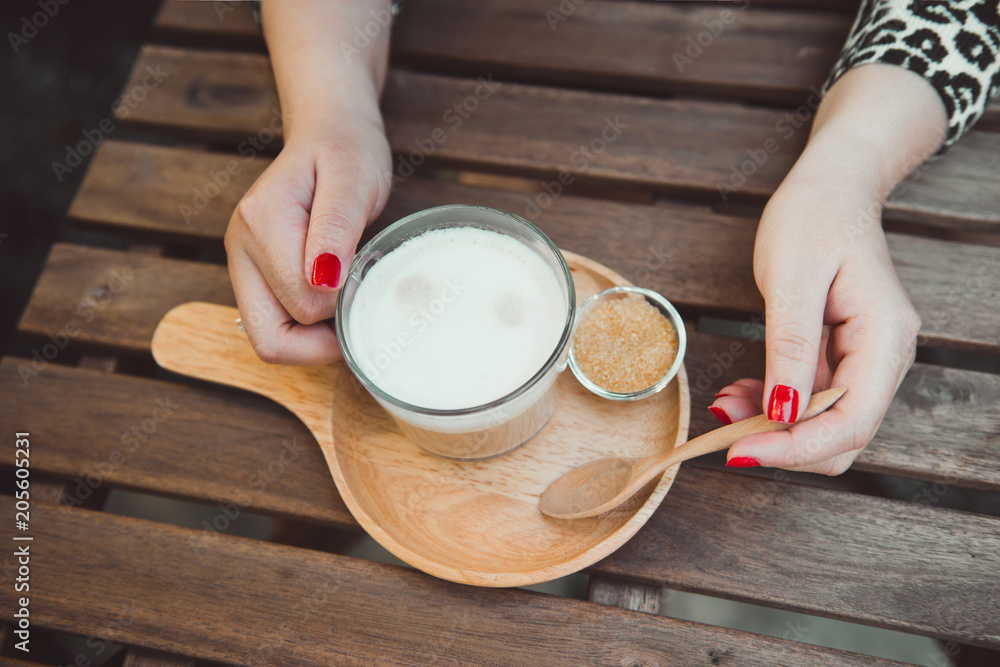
[(794, 307), (341, 208)]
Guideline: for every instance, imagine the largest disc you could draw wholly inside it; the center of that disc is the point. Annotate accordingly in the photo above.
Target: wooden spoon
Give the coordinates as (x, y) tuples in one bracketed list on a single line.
[(604, 484)]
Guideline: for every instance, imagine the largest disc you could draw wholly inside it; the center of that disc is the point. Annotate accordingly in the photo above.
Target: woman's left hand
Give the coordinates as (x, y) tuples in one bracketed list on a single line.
[(837, 315)]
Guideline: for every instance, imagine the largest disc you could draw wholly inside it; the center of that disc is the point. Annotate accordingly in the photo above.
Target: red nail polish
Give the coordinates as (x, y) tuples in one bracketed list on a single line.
[(742, 462), (326, 270), (721, 395), (784, 404), (720, 414)]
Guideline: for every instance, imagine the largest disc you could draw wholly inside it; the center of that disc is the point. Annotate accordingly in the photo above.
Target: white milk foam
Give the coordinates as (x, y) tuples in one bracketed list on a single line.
[(456, 317)]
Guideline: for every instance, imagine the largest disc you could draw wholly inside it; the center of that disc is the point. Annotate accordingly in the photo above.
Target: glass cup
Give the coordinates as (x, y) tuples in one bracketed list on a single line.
[(483, 431)]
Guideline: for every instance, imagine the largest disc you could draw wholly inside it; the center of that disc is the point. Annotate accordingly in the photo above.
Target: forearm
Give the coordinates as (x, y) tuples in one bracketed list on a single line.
[(875, 125), (322, 74)]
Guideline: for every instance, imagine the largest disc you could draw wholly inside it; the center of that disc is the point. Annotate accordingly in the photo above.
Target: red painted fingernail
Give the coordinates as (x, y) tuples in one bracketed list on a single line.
[(784, 404), (720, 414), (326, 270), (721, 395), (742, 462)]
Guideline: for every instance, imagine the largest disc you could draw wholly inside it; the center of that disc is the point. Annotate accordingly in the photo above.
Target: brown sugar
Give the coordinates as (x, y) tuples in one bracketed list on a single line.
[(624, 345)]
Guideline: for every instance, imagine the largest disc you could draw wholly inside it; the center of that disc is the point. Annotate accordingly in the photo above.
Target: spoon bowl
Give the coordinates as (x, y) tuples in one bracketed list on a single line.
[(602, 485)]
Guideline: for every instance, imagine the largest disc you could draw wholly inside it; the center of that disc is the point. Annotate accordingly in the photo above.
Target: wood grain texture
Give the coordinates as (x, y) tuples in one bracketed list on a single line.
[(17, 662), (474, 522), (900, 565), (309, 608), (232, 25), (151, 436), (113, 299), (215, 24), (137, 657), (168, 193), (635, 597), (761, 54), (954, 286), (670, 146)]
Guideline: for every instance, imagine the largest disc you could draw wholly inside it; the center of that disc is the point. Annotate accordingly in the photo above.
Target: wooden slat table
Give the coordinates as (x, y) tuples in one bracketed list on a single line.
[(191, 596)]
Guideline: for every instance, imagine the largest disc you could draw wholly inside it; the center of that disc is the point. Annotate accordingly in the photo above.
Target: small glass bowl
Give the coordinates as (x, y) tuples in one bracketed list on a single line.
[(658, 302)]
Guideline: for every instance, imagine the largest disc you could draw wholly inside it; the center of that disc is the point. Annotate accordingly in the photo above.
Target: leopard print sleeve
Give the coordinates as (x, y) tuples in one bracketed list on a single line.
[(953, 45)]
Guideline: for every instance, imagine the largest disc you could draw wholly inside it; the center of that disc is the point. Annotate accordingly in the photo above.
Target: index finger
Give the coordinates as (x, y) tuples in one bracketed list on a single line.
[(829, 442)]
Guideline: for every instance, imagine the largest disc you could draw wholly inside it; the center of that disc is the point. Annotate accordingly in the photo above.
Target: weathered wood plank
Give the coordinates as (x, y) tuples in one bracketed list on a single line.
[(206, 445), (231, 24), (137, 657), (900, 565), (248, 602), (954, 286), (636, 597), (114, 299), (168, 193), (752, 52), (671, 146), (211, 24), (650, 48)]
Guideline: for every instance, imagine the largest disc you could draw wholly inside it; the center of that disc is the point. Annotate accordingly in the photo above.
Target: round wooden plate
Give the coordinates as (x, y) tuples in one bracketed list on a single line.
[(472, 522)]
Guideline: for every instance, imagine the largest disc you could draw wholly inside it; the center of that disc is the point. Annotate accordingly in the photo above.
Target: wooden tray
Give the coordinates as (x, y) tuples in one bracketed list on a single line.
[(471, 522)]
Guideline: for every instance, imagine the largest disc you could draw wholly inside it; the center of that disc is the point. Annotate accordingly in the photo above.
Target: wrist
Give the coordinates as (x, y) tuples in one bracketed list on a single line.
[(877, 124), (319, 114), (837, 166)]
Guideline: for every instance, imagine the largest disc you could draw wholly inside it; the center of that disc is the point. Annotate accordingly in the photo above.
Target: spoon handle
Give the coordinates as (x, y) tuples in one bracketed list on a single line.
[(726, 436)]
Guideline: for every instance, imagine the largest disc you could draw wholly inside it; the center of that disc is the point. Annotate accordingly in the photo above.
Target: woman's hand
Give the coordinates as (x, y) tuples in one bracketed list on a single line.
[(836, 313), (293, 236)]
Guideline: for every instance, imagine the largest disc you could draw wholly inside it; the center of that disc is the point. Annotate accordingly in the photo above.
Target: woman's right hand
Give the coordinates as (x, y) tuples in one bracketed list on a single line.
[(294, 233)]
